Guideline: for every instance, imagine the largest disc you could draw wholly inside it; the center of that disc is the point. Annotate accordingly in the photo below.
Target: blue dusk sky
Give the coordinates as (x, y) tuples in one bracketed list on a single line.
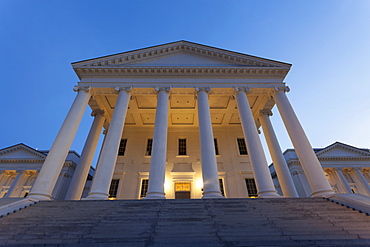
[(328, 43)]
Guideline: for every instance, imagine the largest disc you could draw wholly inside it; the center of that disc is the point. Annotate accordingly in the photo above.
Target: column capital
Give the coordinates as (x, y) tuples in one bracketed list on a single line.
[(119, 89), (245, 89), (158, 89), (265, 112), (199, 89), (278, 89), (85, 88), (338, 168), (97, 112)]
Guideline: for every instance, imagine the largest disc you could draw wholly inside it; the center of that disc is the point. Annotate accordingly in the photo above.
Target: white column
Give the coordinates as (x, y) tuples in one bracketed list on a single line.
[(211, 187), (342, 180), (281, 167), (77, 184), (108, 157), (16, 183), (262, 176), (362, 181), (48, 176), (159, 148), (3, 178), (319, 184)]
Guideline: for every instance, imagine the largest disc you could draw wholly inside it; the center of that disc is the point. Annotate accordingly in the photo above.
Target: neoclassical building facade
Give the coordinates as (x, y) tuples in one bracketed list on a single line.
[(19, 168), (180, 120), (346, 168)]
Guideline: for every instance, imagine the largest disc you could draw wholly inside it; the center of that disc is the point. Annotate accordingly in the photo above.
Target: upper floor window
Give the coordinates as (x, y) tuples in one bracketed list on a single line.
[(122, 147), (182, 147), (242, 146), (149, 145)]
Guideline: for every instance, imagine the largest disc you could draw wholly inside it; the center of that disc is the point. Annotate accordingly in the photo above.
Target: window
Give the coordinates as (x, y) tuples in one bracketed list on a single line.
[(144, 187), (242, 147), (113, 189), (221, 182), (122, 147), (182, 146), (251, 187), (216, 147), (149, 145)]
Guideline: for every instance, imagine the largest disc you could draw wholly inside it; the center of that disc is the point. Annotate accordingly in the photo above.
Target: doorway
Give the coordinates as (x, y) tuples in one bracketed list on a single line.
[(182, 190)]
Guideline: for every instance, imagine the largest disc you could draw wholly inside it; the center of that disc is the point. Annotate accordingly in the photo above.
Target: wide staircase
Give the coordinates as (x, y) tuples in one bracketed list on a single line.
[(212, 222)]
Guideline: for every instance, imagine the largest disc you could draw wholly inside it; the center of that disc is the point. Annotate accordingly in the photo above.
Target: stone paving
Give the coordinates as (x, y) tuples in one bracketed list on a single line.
[(212, 222)]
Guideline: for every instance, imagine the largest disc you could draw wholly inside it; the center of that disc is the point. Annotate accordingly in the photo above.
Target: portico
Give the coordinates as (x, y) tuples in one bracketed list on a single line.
[(179, 112)]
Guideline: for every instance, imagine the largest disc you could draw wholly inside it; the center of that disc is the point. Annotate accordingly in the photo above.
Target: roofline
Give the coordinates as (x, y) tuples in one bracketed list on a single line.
[(207, 46)]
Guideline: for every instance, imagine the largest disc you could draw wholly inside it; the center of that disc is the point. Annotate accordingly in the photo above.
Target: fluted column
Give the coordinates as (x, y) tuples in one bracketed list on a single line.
[(159, 148), (16, 183), (342, 180), (48, 176), (261, 172), (211, 187), (281, 167), (108, 157), (319, 184), (82, 170), (361, 180)]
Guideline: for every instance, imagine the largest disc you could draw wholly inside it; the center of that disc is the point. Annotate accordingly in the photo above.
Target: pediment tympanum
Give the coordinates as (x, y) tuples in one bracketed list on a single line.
[(178, 58)]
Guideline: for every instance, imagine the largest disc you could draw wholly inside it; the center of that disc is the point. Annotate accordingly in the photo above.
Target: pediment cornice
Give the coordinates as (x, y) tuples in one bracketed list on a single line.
[(124, 63), (94, 71), (23, 147), (344, 147)]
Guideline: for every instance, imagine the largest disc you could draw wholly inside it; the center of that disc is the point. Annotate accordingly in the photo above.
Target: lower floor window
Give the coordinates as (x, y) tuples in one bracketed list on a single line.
[(113, 189), (251, 187), (221, 182), (144, 187)]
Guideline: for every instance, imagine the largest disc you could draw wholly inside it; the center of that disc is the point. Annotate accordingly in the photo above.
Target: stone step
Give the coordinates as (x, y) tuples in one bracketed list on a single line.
[(220, 222)]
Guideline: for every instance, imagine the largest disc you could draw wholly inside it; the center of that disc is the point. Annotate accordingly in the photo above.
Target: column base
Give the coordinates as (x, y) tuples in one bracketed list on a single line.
[(268, 194), (322, 193), (212, 195), (154, 195), (96, 196), (39, 197)]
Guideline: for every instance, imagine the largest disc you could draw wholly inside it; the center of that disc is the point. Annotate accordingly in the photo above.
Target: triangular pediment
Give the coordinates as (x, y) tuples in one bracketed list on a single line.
[(179, 54), (20, 151), (339, 149)]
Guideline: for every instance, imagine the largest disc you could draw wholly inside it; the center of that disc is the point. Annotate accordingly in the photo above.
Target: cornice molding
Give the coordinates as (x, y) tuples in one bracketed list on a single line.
[(16, 160), (235, 71)]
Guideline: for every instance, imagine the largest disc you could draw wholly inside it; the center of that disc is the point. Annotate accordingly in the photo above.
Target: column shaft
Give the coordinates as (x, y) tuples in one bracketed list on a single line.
[(211, 187), (262, 175), (48, 176), (16, 183), (82, 170), (108, 157), (319, 184), (342, 180), (281, 167), (363, 182), (159, 148)]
